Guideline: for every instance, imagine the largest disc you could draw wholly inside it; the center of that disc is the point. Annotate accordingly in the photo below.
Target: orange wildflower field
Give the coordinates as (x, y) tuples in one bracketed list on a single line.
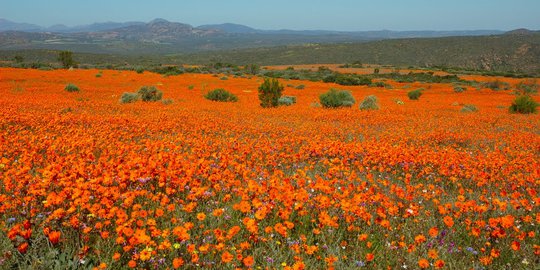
[(90, 183)]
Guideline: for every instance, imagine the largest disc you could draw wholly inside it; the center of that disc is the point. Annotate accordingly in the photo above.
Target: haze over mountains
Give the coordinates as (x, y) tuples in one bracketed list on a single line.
[(162, 36)]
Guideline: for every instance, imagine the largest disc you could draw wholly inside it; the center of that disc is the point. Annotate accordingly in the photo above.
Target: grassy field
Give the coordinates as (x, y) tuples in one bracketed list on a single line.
[(88, 182)]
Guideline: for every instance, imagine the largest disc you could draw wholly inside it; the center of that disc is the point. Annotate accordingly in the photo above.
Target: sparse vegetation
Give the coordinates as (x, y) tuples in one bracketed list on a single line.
[(71, 88), (524, 104), (270, 92), (415, 94), (221, 95), (370, 103), (150, 94), (128, 97), (469, 108), (286, 100), (336, 98), (66, 59)]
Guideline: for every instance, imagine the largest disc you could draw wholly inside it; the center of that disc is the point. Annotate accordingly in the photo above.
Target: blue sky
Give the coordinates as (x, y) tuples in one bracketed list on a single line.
[(290, 14)]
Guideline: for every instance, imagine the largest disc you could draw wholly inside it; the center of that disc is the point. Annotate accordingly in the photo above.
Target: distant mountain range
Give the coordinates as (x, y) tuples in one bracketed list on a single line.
[(162, 36)]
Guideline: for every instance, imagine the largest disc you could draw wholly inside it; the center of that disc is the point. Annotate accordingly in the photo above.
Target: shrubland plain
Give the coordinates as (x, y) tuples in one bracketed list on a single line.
[(90, 179)]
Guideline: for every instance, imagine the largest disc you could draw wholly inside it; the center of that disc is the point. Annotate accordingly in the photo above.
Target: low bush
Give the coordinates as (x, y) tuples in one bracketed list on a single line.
[(150, 94), (286, 100), (469, 108), (459, 89), (524, 104), (300, 87), (270, 92), (335, 98), (71, 88), (415, 94), (369, 103), (129, 98), (221, 95)]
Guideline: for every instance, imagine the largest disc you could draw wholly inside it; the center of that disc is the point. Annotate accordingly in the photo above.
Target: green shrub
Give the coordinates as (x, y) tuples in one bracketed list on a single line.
[(71, 88), (129, 98), (524, 104), (139, 70), (224, 78), (191, 86), (335, 98), (468, 108), (286, 100), (415, 94), (527, 87), (149, 93), (98, 75), (496, 85), (300, 87), (167, 101), (459, 89), (270, 92), (370, 103), (221, 95)]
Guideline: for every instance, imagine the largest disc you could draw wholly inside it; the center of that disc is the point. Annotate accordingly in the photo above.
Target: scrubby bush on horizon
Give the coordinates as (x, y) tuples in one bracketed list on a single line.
[(415, 94), (524, 104), (221, 95), (370, 103), (71, 88), (269, 92), (336, 98), (66, 58), (150, 94)]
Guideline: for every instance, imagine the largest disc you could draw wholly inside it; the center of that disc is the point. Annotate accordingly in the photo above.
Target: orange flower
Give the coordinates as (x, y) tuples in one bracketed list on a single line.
[(132, 264), (448, 221), (248, 261), (432, 254), (423, 263), (201, 216), (22, 248), (370, 257), (54, 237), (439, 264), (177, 263), (516, 245), (226, 257)]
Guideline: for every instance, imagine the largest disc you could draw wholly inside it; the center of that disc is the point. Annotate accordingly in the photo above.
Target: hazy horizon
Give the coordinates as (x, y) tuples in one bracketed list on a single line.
[(340, 15)]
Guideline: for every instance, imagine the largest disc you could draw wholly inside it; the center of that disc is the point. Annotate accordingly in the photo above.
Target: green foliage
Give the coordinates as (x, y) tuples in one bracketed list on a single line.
[(376, 71), (496, 85), (347, 79), (469, 108), (335, 98), (524, 104), (460, 89), (270, 92), (415, 94), (221, 95), (71, 88), (167, 101), (224, 78), (150, 94), (286, 100), (129, 98), (252, 69), (527, 87), (66, 59), (99, 74), (139, 70), (18, 59), (369, 103), (191, 87), (300, 87)]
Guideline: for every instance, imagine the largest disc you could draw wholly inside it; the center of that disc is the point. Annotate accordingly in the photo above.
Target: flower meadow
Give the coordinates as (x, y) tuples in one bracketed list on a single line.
[(89, 183)]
